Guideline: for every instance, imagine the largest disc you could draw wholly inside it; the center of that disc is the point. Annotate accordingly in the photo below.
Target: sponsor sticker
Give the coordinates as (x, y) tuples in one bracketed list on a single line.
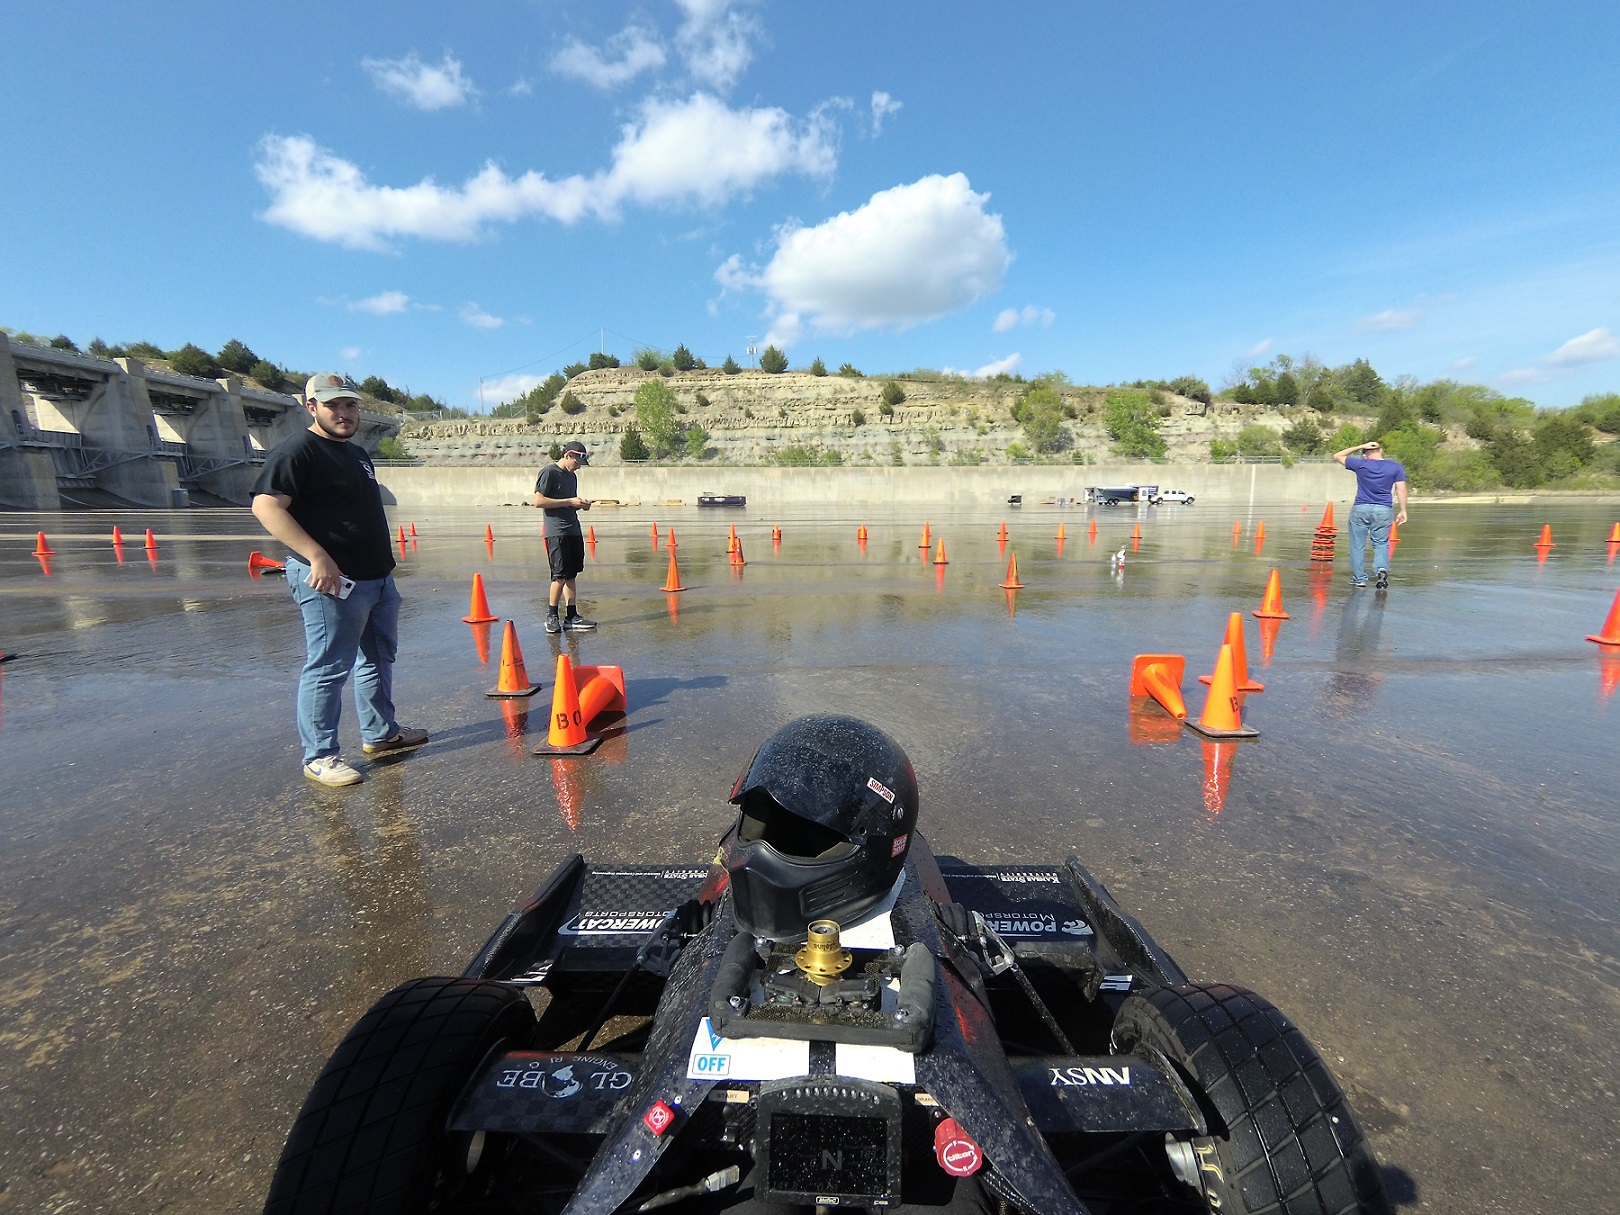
[(611, 923), (1023, 923), (1084, 1077), (1051, 878), (882, 790), (899, 845)]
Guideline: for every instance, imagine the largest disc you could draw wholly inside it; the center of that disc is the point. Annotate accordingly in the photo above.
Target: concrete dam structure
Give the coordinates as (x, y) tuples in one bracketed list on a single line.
[(76, 430)]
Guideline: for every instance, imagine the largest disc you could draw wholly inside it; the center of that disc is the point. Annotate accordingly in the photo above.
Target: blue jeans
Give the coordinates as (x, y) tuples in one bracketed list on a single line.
[(360, 633), (1369, 520)]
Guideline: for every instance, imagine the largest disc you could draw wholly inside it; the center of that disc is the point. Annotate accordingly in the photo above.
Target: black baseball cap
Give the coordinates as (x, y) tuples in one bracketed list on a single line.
[(577, 450)]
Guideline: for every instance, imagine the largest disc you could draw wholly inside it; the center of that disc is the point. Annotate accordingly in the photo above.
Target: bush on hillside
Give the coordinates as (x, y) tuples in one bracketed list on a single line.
[(892, 393), (600, 361), (730, 366), (817, 367), (570, 404), (632, 446), (647, 359), (1133, 424), (773, 360), (682, 358), (194, 360), (268, 376), (235, 356)]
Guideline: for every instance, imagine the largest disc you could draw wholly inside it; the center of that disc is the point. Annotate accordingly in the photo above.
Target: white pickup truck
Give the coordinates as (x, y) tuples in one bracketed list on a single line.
[(1171, 495)]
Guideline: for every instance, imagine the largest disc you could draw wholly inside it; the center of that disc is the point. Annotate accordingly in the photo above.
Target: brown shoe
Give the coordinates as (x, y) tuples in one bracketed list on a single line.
[(404, 739)]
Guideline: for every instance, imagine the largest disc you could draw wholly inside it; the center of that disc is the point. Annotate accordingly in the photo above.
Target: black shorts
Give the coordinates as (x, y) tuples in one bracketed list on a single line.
[(566, 554)]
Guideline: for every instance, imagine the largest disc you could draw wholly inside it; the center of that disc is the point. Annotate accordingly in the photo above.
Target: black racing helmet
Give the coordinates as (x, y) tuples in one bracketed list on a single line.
[(828, 807)]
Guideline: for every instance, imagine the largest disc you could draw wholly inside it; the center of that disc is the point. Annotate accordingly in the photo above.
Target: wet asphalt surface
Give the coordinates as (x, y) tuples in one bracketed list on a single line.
[(1419, 860)]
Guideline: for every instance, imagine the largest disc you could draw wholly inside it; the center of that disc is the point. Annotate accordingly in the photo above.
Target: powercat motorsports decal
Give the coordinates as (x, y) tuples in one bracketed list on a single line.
[(1035, 924), (611, 923)]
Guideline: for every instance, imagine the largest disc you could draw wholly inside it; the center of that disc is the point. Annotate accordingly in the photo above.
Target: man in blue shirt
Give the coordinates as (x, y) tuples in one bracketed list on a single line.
[(1380, 484)]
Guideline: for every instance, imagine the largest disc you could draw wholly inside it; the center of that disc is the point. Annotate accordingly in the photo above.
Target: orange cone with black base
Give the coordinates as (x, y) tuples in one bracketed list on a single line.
[(1546, 540), (489, 534), (567, 734), (514, 678), (1327, 520), (590, 534), (413, 531), (672, 580), (1260, 531), (118, 536), (1012, 583), (736, 555), (1159, 676), (860, 534), (1002, 534), (1136, 533), (1240, 657), (655, 535), (776, 535), (671, 540), (258, 561), (927, 538), (1271, 607), (1060, 534), (151, 541), (1223, 708), (1092, 530), (939, 554), (1611, 627), (1614, 534), (42, 547), (731, 544), (478, 612)]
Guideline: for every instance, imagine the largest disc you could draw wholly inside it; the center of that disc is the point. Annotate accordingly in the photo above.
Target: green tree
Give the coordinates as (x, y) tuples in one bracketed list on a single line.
[(1563, 444), (1256, 441), (647, 359), (632, 447), (655, 413), (730, 366), (235, 356), (1191, 387), (268, 375), (682, 358), (773, 360), (1040, 412), (390, 448), (571, 404), (892, 393), (1132, 422), (600, 360), (696, 440), (1348, 435), (99, 348), (817, 367), (376, 386), (145, 350), (62, 342), (1222, 451), (555, 451), (1601, 410), (194, 360), (851, 371), (1415, 447), (1360, 383), (573, 369), (1304, 436)]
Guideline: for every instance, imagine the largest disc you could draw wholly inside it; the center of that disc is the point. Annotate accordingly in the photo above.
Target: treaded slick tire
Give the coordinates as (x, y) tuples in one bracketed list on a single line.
[(1284, 1137), (370, 1138)]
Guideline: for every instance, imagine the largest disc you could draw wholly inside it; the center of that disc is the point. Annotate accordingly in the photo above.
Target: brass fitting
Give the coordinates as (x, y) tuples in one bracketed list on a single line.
[(821, 960)]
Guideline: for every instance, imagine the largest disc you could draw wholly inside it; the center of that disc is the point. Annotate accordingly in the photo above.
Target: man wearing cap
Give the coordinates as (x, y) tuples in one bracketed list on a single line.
[(1380, 484), (318, 495), (556, 491)]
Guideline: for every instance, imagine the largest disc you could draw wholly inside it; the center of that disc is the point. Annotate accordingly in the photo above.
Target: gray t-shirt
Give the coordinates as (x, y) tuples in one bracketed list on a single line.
[(555, 481)]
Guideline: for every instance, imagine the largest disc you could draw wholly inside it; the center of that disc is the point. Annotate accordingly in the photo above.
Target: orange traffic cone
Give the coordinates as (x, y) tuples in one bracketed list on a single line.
[(258, 561), (672, 580), (1159, 676), (478, 611), (736, 555), (1223, 708), (1060, 534), (42, 547), (671, 540), (1218, 760), (1327, 519), (1546, 540), (1092, 530), (939, 554), (1136, 533), (1271, 606), (1611, 627), (567, 734), (860, 534), (118, 536), (590, 534), (927, 538), (489, 534), (655, 535), (151, 541), (731, 544), (1012, 583), (1394, 533), (1002, 534), (776, 535), (1260, 532), (1237, 530), (413, 531), (1240, 657), (1614, 534), (401, 535), (514, 678)]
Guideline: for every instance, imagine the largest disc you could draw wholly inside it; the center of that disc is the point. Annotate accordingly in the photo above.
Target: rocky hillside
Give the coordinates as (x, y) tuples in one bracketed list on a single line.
[(753, 417)]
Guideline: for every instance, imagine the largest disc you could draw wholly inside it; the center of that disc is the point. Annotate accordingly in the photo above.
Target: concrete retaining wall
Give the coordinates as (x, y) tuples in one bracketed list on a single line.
[(427, 486)]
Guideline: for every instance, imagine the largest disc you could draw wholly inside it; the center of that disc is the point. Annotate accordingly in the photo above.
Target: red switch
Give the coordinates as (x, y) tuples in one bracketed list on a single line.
[(660, 1116), (955, 1150)]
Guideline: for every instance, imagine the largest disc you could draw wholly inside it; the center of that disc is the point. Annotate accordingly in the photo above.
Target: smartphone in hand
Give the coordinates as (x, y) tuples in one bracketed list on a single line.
[(345, 586)]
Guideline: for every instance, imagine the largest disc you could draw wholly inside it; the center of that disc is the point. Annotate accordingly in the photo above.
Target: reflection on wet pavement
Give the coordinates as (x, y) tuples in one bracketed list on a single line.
[(1418, 859)]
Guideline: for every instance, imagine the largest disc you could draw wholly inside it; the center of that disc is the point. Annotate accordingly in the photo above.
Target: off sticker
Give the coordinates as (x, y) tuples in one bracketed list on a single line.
[(882, 790)]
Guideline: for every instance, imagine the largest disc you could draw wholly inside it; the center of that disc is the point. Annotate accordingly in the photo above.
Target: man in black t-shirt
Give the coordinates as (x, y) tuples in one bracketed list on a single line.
[(318, 495), (556, 491)]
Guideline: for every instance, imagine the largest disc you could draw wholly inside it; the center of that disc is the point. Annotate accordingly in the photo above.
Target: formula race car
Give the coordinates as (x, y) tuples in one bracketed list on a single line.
[(826, 1017)]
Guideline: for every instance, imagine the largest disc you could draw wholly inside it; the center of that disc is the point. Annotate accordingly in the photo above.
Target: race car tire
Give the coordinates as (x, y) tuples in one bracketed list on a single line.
[(1282, 1134), (371, 1137)]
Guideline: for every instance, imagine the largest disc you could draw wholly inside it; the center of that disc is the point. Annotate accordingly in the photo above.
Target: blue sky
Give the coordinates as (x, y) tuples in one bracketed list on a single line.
[(444, 194)]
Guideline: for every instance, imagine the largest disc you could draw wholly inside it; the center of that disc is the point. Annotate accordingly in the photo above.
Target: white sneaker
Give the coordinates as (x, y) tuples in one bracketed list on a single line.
[(331, 770)]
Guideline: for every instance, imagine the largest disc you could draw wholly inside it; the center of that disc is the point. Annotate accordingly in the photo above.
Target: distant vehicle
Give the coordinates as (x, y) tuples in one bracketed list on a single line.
[(1172, 495), (1015, 500), (1114, 495), (722, 500)]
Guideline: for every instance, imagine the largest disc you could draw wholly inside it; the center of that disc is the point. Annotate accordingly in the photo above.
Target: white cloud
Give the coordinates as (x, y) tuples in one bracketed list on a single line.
[(350, 354), (506, 388), (882, 106), (1390, 320), (1593, 346), (385, 303), (520, 88), (696, 150), (421, 84), (714, 41), (1464, 363), (1004, 366), (910, 254), (475, 316), (1259, 348), (625, 56), (1011, 318)]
